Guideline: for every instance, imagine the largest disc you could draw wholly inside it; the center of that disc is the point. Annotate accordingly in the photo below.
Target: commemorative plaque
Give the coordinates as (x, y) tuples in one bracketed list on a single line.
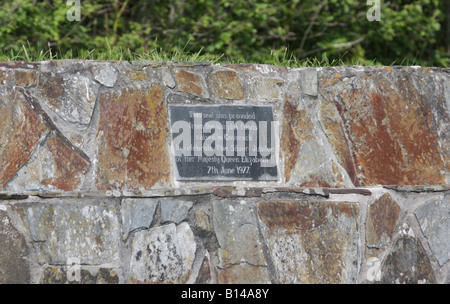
[(224, 142)]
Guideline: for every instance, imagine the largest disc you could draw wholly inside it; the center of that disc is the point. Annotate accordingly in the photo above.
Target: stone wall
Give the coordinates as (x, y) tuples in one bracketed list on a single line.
[(89, 194)]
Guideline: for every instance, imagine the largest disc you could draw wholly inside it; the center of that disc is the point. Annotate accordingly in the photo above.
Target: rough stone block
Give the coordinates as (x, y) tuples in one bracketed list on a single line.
[(381, 222), (55, 166), (14, 267), (192, 83), (312, 242), (24, 78), (71, 94), (307, 163), (226, 85), (265, 89), (21, 128), (174, 210), (407, 264), (137, 213), (132, 132), (105, 74), (163, 254), (434, 219), (241, 249), (395, 124), (63, 230)]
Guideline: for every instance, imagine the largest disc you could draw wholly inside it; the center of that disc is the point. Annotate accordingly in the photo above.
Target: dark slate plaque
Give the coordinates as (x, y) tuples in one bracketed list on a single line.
[(224, 142)]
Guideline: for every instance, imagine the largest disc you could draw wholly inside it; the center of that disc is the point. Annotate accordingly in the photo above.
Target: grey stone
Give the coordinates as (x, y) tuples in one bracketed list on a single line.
[(137, 213), (14, 267), (241, 256), (265, 89), (70, 229), (237, 232), (71, 94), (166, 76), (434, 219), (308, 81), (105, 74), (312, 242), (163, 254), (407, 264), (174, 211)]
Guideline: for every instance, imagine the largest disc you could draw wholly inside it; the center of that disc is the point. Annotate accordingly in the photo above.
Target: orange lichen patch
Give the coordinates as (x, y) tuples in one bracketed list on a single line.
[(190, 82), (388, 69), (291, 215), (290, 144), (132, 130), (24, 78), (69, 164), (20, 130), (397, 146), (136, 75), (226, 84), (389, 130)]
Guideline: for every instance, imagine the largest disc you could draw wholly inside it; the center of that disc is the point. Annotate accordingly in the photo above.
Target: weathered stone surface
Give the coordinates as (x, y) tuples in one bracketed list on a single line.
[(312, 242), (308, 81), (306, 162), (265, 89), (241, 252), (132, 131), (192, 83), (70, 229), (105, 74), (68, 88), (434, 219), (243, 273), (335, 132), (14, 267), (163, 73), (25, 78), (204, 274), (381, 221), (163, 254), (71, 96), (407, 264), (21, 128), (4, 76), (80, 274), (226, 84), (174, 210), (137, 213), (56, 165), (395, 123), (202, 220)]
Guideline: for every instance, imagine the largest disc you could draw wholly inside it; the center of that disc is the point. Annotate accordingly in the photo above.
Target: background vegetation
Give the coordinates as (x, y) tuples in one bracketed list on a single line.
[(411, 32)]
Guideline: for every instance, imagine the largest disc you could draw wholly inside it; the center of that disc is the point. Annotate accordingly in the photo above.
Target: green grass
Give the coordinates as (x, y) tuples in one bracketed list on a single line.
[(29, 54)]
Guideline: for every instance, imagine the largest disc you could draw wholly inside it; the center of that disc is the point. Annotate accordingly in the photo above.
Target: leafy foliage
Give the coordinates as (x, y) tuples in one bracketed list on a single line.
[(295, 31)]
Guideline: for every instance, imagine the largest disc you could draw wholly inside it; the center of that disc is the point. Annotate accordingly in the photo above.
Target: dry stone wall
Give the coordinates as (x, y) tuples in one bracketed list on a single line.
[(89, 191)]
